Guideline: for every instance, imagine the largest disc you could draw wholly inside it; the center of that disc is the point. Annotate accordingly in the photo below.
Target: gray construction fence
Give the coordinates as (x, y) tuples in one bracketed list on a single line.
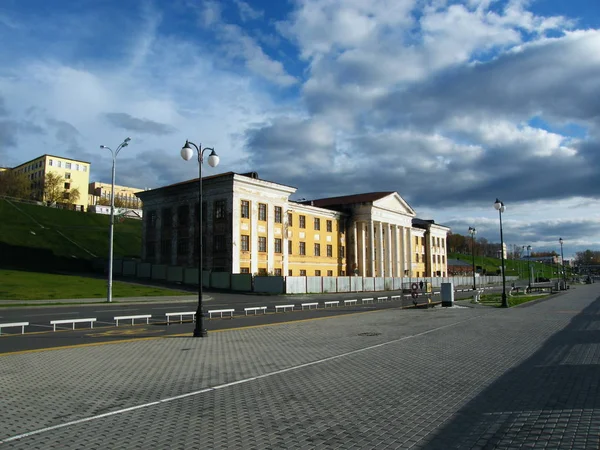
[(244, 282)]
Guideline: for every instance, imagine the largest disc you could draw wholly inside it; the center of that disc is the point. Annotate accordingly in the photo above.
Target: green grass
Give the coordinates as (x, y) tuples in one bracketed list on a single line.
[(68, 234), (20, 285), (496, 299), (515, 268)]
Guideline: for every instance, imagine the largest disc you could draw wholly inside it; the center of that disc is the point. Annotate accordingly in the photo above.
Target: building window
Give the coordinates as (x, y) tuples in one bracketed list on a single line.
[(317, 273), (290, 222), (302, 221), (219, 209), (245, 209), (317, 249), (219, 243), (262, 272), (439, 259), (416, 257), (342, 251), (423, 257), (85, 168), (245, 243), (244, 269), (277, 245), (277, 272), (167, 218), (302, 248), (77, 167), (330, 273), (329, 250), (67, 165), (67, 176), (67, 185), (290, 246), (278, 212), (342, 273), (182, 246), (329, 226), (50, 163), (290, 272), (317, 223), (262, 244), (443, 246), (443, 259), (302, 273), (183, 216), (262, 211)]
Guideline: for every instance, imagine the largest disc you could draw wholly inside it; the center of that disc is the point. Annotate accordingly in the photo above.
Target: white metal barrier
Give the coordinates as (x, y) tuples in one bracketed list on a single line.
[(14, 324), (132, 318), (72, 321)]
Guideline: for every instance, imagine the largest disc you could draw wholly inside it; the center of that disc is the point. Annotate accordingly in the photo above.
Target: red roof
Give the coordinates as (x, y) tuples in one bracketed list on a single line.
[(350, 199)]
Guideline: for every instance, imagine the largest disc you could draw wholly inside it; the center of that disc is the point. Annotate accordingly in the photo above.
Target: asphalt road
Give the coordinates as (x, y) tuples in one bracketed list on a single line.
[(39, 333)]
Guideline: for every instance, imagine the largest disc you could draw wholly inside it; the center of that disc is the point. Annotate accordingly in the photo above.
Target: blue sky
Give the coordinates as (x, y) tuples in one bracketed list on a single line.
[(450, 103)]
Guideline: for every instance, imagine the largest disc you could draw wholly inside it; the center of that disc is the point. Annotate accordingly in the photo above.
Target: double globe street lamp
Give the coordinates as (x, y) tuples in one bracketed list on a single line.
[(115, 153), (501, 208), (187, 152)]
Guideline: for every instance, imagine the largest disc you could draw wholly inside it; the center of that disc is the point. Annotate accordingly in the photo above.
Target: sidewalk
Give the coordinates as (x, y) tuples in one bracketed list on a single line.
[(435, 379)]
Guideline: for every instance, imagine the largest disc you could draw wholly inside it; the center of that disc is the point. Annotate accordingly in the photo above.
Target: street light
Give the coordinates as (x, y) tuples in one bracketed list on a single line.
[(500, 208), (473, 232), (529, 265), (114, 153), (187, 152), (562, 260)]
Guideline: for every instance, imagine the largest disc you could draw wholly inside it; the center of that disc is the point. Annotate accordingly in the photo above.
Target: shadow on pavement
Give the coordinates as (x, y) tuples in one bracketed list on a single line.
[(552, 400)]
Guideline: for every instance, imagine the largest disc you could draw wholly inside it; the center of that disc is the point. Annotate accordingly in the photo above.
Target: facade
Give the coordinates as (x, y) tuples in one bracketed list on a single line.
[(75, 174), (99, 194), (251, 226)]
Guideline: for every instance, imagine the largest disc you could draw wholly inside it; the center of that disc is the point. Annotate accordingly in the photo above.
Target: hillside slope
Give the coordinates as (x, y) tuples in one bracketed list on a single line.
[(37, 237)]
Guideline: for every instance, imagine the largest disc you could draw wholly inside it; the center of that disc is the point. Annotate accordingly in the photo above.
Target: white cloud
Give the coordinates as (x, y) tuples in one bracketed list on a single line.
[(247, 12)]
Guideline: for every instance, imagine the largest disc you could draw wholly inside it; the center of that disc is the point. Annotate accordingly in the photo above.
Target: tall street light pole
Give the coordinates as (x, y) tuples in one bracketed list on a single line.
[(473, 232), (529, 265), (114, 153), (213, 160), (501, 208), (562, 260)]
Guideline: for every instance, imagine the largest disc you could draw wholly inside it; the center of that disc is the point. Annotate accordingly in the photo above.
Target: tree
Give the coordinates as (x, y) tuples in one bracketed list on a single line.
[(13, 184), (53, 188), (73, 195)]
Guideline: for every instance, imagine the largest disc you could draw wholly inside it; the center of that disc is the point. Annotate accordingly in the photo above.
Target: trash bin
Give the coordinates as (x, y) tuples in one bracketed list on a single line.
[(447, 294)]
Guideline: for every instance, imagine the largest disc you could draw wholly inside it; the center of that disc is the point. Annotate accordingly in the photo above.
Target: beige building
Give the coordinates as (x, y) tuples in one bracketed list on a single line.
[(99, 194), (75, 174), (251, 226)]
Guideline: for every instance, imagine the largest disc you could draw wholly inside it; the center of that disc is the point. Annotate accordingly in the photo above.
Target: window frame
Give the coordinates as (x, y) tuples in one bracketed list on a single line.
[(245, 209)]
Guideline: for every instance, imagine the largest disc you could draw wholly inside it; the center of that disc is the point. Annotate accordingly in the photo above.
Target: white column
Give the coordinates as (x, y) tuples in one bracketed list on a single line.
[(270, 237), (235, 238), (380, 252), (371, 249), (355, 237), (389, 270), (253, 237), (362, 268), (284, 242), (407, 251)]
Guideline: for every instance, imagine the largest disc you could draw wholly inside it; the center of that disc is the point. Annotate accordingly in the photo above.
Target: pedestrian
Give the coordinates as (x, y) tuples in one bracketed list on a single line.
[(421, 284)]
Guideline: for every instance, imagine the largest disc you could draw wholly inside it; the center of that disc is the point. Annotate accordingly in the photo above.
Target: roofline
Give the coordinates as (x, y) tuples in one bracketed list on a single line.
[(50, 156)]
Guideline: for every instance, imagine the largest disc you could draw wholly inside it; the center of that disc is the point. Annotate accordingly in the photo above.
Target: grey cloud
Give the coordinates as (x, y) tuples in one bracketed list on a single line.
[(127, 122), (3, 110), (65, 132)]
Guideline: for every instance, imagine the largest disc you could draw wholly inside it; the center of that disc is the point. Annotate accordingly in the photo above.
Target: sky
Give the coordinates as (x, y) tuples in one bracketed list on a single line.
[(450, 103)]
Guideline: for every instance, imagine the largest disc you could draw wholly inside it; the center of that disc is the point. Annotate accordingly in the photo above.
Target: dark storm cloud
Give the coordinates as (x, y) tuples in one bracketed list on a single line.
[(127, 122)]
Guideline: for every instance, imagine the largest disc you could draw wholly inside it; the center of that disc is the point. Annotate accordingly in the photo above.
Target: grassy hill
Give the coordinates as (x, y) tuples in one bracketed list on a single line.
[(513, 267), (38, 237)]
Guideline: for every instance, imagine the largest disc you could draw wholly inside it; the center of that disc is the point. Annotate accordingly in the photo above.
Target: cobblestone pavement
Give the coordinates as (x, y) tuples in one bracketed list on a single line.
[(526, 377)]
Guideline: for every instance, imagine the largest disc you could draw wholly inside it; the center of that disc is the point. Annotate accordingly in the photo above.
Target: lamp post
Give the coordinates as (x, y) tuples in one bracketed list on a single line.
[(529, 265), (187, 152), (114, 153), (473, 232), (562, 260), (501, 208)]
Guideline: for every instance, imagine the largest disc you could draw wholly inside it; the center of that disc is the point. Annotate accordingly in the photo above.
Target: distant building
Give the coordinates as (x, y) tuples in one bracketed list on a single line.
[(458, 267), (99, 194), (251, 226), (74, 174)]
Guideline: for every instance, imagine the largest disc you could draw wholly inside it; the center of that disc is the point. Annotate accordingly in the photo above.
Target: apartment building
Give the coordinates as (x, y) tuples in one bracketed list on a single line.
[(73, 173), (250, 225), (99, 194)]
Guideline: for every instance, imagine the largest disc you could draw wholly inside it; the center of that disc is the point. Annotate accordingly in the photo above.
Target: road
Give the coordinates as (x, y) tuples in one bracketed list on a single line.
[(39, 333)]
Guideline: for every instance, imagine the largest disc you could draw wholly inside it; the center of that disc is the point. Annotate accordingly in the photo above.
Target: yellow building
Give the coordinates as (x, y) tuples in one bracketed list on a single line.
[(75, 174), (251, 226), (99, 194)]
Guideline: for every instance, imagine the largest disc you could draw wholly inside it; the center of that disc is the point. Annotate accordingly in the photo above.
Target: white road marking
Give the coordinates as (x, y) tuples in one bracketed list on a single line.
[(116, 310), (222, 386), (52, 314)]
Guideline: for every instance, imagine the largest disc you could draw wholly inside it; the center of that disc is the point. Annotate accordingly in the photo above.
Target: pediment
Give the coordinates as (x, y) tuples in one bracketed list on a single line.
[(395, 203)]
